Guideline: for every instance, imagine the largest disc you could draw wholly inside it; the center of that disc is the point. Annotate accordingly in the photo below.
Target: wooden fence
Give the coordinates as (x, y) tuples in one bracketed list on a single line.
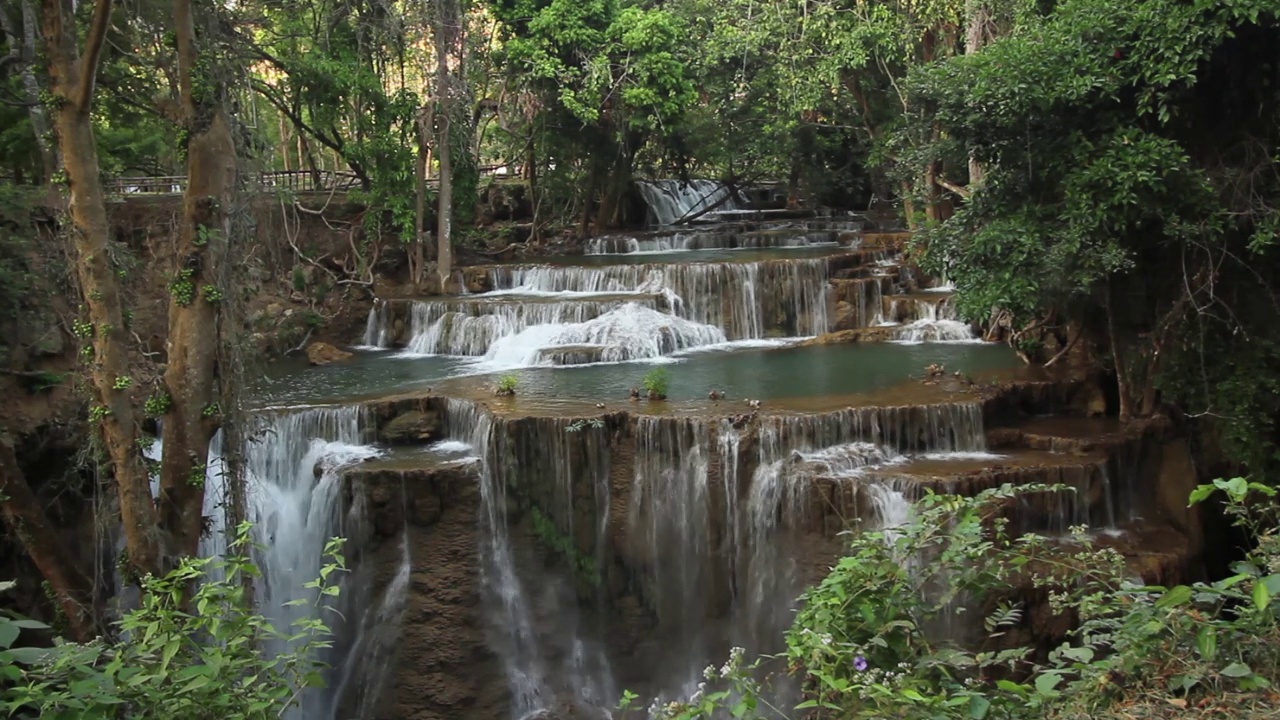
[(290, 180)]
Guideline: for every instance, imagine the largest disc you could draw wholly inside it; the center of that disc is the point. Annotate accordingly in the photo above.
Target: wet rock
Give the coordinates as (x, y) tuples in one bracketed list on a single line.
[(322, 353), (871, 334), (412, 427)]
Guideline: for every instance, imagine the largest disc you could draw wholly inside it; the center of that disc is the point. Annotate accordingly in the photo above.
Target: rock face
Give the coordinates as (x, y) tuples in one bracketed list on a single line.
[(322, 353), (442, 668), (412, 427)]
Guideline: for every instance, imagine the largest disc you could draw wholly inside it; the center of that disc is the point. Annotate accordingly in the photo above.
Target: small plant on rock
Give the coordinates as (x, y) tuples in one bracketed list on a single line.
[(656, 383), (507, 385)]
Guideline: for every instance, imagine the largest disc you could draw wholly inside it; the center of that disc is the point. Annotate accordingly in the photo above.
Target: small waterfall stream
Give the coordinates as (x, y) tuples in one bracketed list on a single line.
[(670, 200)]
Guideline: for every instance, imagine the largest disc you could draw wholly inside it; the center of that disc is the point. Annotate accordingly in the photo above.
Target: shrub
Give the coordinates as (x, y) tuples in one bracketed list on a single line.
[(862, 651), (656, 383), (507, 384), (196, 659)]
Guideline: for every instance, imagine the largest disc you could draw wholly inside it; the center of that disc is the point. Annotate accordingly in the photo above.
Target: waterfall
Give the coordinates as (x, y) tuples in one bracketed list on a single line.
[(709, 240), (935, 331), (742, 299), (377, 328), (671, 200), (669, 524), (510, 623), (471, 327), (294, 465)]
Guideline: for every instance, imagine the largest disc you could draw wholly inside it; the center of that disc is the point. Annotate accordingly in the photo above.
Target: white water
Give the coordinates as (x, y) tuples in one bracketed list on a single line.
[(377, 328), (631, 332), (293, 469), (921, 331), (670, 201)]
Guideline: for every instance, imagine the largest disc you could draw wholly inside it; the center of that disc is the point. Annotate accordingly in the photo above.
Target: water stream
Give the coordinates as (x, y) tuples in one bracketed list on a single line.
[(706, 524)]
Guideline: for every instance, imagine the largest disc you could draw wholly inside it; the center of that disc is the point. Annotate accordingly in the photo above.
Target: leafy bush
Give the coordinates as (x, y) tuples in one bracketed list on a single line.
[(507, 384), (863, 647), (656, 383), (201, 658)]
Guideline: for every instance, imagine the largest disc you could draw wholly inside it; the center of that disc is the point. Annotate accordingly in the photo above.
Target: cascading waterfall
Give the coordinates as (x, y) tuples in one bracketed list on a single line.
[(510, 621), (631, 332), (670, 201), (294, 468), (377, 328), (470, 328), (670, 522), (709, 240), (742, 299)]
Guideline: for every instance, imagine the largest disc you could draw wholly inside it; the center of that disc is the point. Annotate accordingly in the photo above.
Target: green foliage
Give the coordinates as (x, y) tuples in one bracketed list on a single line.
[(544, 528), (863, 645), (507, 384), (299, 278), (158, 403), (1112, 184), (183, 287), (192, 649), (656, 382)]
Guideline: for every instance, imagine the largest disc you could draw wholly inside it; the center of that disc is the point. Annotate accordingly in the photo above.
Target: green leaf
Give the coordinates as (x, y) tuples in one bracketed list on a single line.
[(1236, 669), (1207, 642), (1046, 683), (1079, 654), (1200, 493), (978, 707), (1175, 597), (8, 633), (1261, 596)]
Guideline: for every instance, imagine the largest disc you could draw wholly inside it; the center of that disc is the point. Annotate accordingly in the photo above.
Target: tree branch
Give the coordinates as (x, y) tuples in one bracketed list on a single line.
[(963, 192), (93, 54)]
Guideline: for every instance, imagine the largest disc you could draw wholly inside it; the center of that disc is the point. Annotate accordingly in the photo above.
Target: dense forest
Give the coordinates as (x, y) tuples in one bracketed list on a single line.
[(1098, 179)]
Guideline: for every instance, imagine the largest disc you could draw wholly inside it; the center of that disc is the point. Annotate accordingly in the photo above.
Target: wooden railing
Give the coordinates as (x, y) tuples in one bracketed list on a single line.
[(291, 180)]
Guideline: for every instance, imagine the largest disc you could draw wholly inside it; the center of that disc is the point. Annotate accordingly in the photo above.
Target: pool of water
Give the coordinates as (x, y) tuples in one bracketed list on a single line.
[(756, 373), (291, 382), (794, 372), (697, 256)]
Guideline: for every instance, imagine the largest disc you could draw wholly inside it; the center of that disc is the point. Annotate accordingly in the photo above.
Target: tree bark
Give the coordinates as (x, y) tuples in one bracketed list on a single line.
[(977, 35), (447, 31), (72, 75), (417, 260), (191, 376), (1117, 359), (22, 50), (71, 588)]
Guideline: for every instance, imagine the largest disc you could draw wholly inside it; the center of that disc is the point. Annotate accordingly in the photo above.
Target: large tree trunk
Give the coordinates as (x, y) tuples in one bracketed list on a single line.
[(978, 32), (72, 83), (22, 50), (71, 588), (447, 31), (192, 373), (417, 260)]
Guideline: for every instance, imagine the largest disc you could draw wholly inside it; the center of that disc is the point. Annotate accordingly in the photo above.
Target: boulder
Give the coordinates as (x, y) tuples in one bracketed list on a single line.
[(412, 427), (322, 353)]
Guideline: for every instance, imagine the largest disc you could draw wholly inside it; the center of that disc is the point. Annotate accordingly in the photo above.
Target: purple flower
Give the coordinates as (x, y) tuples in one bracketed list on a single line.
[(860, 663)]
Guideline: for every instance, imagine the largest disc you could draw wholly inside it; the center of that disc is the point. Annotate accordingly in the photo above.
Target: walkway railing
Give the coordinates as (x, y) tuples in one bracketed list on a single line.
[(291, 180)]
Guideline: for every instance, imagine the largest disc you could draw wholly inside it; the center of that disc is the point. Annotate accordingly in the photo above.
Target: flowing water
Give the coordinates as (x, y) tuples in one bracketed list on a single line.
[(706, 522)]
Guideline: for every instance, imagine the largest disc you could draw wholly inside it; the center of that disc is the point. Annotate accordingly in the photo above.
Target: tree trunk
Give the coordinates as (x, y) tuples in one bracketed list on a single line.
[(71, 588), (447, 31), (977, 35), (72, 78), (1117, 359), (22, 47), (192, 373), (418, 261)]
